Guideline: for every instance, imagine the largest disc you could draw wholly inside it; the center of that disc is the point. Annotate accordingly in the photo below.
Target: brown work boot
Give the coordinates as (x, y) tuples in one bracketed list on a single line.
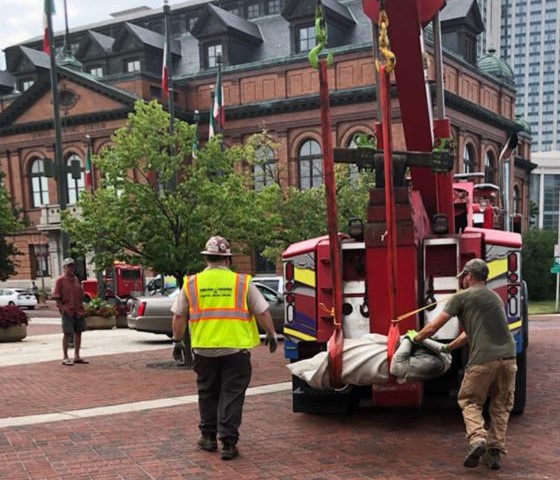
[(476, 450), (492, 459), (208, 443), (229, 452)]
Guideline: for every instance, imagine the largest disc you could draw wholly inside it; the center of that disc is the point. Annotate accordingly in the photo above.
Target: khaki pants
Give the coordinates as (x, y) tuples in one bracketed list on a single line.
[(497, 379)]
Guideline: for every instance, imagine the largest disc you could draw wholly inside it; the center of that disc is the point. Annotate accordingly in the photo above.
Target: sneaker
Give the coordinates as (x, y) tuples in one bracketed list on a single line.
[(208, 443), (476, 450), (229, 452), (492, 459)]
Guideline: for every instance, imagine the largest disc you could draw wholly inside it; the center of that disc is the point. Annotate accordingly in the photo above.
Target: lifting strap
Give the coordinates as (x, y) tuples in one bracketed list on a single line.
[(336, 342), (385, 65)]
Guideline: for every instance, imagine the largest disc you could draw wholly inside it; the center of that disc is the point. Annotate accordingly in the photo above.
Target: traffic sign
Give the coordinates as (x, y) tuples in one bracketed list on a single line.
[(555, 268)]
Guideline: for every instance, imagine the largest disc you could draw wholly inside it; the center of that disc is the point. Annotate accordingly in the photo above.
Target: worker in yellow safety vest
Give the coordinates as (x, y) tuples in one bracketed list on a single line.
[(221, 307)]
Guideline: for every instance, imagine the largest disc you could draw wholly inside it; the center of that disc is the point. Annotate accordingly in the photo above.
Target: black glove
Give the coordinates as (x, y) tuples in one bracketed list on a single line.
[(179, 349), (272, 342)]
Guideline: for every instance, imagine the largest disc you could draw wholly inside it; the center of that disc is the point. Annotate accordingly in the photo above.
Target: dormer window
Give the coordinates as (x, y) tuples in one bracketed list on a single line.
[(274, 7), (254, 10), (219, 31), (305, 38), (301, 16), (96, 71), (212, 52), (26, 84), (132, 65)]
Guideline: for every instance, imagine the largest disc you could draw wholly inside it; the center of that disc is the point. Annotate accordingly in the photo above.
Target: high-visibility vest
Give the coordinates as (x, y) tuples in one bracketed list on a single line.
[(218, 313)]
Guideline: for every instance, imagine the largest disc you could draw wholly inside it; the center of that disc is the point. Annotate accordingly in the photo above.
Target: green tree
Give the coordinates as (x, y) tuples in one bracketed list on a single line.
[(9, 225), (155, 206), (293, 215), (537, 258)]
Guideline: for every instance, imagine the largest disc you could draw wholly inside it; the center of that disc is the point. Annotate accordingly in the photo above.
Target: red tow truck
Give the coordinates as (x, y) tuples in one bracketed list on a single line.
[(422, 226), (121, 282)]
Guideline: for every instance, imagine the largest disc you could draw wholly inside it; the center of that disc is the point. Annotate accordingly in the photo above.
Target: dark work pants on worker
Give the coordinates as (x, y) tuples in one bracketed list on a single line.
[(222, 383)]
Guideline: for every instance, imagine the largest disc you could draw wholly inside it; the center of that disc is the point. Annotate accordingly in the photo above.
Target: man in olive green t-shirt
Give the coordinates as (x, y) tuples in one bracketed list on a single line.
[(491, 367)]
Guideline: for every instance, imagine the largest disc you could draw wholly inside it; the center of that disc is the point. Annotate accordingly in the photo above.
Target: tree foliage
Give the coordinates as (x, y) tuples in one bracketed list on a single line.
[(294, 214), (537, 258), (9, 225), (163, 224)]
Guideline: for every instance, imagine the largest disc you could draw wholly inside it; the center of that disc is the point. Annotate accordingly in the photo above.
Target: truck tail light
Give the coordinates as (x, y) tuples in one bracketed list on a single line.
[(512, 262), (141, 309), (289, 272)]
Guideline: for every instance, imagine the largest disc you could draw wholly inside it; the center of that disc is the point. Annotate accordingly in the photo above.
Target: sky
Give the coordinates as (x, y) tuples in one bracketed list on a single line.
[(22, 20)]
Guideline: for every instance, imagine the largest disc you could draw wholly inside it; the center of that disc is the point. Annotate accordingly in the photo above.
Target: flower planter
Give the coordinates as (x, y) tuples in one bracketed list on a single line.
[(122, 322), (95, 322), (14, 333)]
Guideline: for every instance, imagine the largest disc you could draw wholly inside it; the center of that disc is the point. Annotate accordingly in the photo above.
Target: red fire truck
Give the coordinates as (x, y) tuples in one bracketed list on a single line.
[(121, 282), (422, 226)]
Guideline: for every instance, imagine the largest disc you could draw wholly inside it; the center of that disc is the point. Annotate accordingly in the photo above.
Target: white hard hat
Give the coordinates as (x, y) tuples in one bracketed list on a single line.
[(218, 246)]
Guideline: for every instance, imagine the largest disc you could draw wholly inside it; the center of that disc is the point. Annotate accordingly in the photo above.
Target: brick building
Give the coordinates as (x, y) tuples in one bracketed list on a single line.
[(267, 81)]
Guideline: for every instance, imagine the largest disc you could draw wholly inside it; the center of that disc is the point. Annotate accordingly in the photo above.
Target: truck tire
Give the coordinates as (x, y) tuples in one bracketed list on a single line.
[(520, 384), (525, 317)]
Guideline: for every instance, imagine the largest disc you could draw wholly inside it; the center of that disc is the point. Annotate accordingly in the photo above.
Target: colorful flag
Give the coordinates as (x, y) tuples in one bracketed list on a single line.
[(48, 11), (218, 113), (89, 183)]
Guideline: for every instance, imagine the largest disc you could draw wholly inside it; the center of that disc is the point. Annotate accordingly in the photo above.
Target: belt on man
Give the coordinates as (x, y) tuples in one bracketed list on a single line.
[(508, 358)]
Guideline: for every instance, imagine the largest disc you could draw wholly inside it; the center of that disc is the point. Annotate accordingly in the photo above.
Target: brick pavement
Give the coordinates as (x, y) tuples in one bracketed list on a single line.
[(375, 443)]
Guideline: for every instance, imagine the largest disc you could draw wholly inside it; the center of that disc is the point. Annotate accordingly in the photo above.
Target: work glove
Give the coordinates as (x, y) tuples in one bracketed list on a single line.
[(182, 354), (178, 349), (272, 341), (410, 335)]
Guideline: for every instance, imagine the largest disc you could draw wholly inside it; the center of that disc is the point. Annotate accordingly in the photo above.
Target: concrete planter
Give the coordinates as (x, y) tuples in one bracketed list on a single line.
[(94, 322), (121, 322), (15, 333)]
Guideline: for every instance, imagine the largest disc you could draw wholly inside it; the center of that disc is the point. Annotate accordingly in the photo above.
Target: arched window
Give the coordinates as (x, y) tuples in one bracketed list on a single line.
[(75, 185), (516, 200), (264, 171), (310, 165), (39, 183), (468, 159), (490, 168)]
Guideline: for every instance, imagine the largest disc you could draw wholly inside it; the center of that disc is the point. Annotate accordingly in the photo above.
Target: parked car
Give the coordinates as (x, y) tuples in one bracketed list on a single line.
[(275, 282), (152, 313), (275, 302), (17, 297)]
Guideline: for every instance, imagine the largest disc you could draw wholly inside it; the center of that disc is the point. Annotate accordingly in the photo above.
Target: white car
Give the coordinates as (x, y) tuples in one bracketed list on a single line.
[(273, 281), (17, 297)]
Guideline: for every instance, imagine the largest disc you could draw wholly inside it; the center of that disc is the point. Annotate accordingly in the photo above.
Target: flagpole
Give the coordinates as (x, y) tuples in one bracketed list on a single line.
[(219, 123), (60, 168), (196, 146), (168, 61), (89, 166)]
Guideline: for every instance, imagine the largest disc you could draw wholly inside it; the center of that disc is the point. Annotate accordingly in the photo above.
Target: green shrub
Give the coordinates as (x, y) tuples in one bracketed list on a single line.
[(537, 259)]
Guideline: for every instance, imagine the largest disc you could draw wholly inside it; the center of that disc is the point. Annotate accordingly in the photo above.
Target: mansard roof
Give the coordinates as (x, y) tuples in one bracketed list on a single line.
[(147, 37), (227, 23), (461, 10), (38, 58), (296, 9), (7, 82)]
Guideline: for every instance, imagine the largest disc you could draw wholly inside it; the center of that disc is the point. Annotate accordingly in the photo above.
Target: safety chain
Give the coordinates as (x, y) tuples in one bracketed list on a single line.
[(385, 54), (321, 37)]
